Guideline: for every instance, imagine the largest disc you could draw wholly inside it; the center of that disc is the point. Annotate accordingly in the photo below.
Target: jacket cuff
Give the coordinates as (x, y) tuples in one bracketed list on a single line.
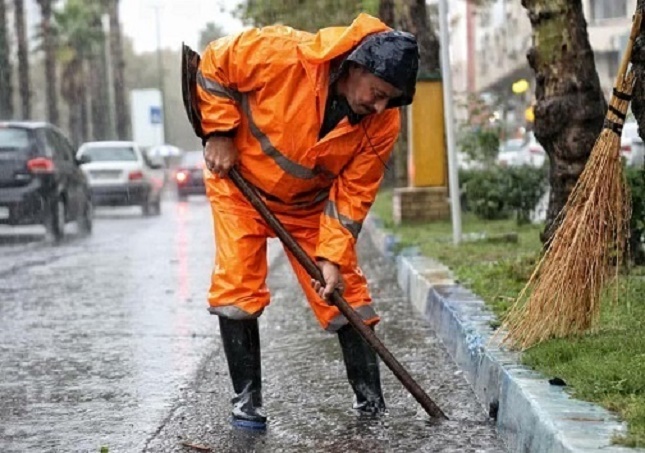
[(340, 253), (229, 134)]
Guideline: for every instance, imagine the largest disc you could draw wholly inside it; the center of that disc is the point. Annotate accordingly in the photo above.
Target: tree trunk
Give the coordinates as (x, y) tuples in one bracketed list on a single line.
[(97, 81), (49, 46), (72, 91), (83, 102), (411, 16), (416, 20), (638, 108), (638, 61), (399, 159), (23, 59), (6, 88), (99, 102), (387, 12), (118, 73), (570, 105)]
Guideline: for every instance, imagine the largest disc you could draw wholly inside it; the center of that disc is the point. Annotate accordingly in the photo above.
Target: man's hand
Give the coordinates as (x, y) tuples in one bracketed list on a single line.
[(333, 279), (220, 155)]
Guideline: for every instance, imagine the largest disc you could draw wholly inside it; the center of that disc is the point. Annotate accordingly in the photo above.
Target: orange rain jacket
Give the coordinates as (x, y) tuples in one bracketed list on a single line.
[(271, 85)]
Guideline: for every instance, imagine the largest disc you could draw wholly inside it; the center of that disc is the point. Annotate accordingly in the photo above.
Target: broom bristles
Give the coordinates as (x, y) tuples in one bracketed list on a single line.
[(563, 294)]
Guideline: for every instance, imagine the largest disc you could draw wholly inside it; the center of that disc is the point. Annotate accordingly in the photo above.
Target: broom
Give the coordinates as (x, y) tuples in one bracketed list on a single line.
[(562, 296)]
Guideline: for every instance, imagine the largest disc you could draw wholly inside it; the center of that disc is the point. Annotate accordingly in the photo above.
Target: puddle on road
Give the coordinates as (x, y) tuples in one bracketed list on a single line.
[(307, 396)]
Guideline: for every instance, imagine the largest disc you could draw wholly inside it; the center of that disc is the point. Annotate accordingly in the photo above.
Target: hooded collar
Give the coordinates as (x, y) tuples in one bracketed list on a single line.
[(333, 42)]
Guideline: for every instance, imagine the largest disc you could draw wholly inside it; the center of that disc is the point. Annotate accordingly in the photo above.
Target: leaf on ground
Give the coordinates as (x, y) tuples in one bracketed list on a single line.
[(196, 447)]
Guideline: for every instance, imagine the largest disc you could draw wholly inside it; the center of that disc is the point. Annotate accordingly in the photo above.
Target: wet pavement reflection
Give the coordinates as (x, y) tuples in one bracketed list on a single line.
[(106, 341), (98, 334), (306, 393)]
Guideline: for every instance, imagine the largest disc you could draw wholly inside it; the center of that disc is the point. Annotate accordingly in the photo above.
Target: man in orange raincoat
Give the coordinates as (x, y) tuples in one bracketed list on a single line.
[(310, 121)]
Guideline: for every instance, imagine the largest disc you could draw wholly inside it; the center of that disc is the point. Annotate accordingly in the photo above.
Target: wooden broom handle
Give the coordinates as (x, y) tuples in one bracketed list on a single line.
[(354, 319), (627, 55)]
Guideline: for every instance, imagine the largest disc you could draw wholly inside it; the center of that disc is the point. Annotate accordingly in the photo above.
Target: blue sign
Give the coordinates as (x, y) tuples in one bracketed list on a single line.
[(155, 115)]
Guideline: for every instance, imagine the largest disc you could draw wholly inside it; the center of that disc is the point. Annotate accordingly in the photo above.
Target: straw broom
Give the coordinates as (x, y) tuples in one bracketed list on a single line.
[(562, 297)]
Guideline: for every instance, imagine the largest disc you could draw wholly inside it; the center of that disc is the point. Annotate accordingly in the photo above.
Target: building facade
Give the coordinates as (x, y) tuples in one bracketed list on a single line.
[(503, 37), (609, 23), (495, 40)]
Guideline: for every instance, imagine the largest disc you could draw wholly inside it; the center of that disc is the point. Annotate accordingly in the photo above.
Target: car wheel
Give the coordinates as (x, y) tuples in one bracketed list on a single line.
[(55, 220), (84, 220), (157, 207)]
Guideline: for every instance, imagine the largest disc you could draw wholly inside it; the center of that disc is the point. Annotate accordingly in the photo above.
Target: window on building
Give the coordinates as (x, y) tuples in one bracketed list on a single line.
[(608, 9), (484, 17)]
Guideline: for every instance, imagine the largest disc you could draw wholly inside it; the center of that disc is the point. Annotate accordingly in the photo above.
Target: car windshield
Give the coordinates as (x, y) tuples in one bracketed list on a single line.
[(110, 154), (192, 159), (13, 138), (513, 145)]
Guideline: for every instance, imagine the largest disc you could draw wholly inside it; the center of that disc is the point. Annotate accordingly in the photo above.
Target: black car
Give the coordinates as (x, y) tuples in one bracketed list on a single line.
[(189, 175), (40, 180)]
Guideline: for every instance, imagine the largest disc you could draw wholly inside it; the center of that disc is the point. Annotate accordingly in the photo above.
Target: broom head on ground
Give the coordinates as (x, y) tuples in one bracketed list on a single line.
[(562, 296)]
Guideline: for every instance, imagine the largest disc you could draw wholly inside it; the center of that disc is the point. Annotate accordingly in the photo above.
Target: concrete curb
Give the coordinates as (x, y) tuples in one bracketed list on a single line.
[(532, 415)]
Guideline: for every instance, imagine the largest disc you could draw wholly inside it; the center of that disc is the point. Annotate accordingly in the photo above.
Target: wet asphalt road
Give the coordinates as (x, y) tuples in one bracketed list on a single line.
[(106, 341)]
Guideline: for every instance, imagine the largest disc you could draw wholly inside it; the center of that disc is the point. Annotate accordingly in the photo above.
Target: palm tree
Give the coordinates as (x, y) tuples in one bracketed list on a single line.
[(97, 78), (49, 46), (79, 40), (6, 90), (23, 58), (118, 72), (570, 104)]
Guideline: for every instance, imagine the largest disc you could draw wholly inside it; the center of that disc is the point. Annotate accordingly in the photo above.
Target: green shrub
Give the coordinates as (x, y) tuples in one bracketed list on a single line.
[(526, 185), (479, 144), (485, 193), (497, 193)]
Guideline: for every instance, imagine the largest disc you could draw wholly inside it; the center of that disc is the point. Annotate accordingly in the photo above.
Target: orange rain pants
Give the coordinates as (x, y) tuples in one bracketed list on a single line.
[(238, 285)]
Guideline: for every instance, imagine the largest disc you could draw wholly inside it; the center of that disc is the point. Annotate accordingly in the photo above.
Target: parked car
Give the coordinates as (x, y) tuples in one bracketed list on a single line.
[(631, 145), (636, 157), (40, 180), (120, 174), (510, 153), (521, 151), (189, 175)]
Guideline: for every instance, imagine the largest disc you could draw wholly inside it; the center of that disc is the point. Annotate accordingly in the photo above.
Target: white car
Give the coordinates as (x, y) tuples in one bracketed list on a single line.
[(636, 156), (120, 174), (631, 145), (521, 151), (464, 162)]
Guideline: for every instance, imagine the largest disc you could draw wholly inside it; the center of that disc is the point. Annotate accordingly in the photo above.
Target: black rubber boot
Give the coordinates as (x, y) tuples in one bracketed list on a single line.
[(362, 371), (241, 340)]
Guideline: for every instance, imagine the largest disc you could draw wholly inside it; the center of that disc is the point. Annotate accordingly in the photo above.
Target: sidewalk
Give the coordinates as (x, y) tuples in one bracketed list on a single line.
[(532, 415)]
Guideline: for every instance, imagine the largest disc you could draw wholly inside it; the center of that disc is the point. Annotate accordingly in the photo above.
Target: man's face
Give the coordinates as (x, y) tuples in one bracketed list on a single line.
[(367, 93)]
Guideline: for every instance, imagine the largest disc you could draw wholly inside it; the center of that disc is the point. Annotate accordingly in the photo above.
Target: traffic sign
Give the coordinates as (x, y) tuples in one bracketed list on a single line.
[(155, 115)]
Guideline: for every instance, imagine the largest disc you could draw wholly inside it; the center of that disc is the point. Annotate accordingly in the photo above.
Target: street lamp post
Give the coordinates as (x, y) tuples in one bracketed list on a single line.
[(446, 75)]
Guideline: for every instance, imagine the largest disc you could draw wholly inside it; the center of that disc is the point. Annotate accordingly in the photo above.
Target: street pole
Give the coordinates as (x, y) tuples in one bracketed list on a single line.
[(161, 75), (105, 21), (446, 75)]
